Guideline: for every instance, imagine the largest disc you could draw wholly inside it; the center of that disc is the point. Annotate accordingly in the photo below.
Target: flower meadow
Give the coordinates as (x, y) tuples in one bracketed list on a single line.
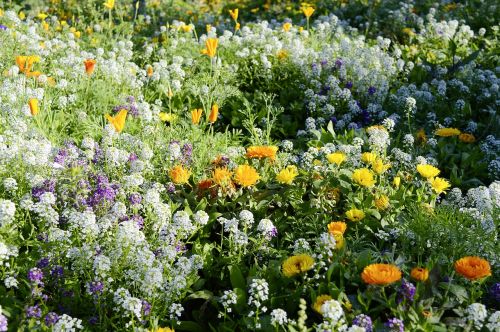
[(249, 166)]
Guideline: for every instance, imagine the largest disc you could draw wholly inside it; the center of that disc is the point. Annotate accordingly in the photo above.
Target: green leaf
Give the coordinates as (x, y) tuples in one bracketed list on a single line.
[(237, 279), (202, 294), (189, 326)]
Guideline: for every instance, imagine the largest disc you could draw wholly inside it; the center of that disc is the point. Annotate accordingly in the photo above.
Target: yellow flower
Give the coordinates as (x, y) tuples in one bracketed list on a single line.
[(408, 31), (466, 138), (368, 157), (421, 136), (320, 300), (234, 14), (167, 117), (246, 175), (287, 175), (42, 16), (381, 274), (308, 11), (196, 116), (382, 202), (211, 46), (109, 4), (473, 267), (118, 121), (396, 181), (355, 215), (282, 54), (439, 185), (363, 177), (186, 27), (214, 112), (419, 274), (287, 26), (149, 70), (21, 15), (337, 227), (208, 27), (339, 240), (428, 171), (262, 152), (237, 26), (336, 158), (163, 329), (33, 104), (379, 167), (296, 265), (179, 174), (447, 132), (222, 176)]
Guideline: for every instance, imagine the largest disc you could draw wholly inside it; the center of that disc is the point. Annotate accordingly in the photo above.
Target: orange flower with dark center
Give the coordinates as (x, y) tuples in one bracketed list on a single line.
[(381, 274), (473, 267), (419, 274), (262, 152), (89, 66)]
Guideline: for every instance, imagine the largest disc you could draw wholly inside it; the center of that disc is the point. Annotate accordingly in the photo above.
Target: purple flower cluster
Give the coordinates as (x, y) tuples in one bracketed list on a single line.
[(105, 192), (47, 186), (35, 275), (33, 312), (406, 291), (51, 318), (364, 321), (130, 106), (3, 323), (95, 288), (395, 325)]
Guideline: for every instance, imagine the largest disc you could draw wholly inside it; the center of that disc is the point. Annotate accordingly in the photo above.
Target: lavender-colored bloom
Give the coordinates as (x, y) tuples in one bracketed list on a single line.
[(364, 321), (348, 85), (42, 237), (95, 288), (395, 325), (35, 275), (146, 308), (338, 63), (3, 27), (170, 187), (61, 156), (93, 320), (43, 263), (57, 272), (105, 192), (139, 221), (371, 90), (34, 312), (324, 62), (495, 292), (132, 157), (187, 151), (406, 291), (51, 318), (135, 198), (47, 186), (3, 323)]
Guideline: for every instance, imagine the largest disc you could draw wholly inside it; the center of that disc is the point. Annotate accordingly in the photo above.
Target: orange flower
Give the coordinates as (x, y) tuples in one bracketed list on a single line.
[(262, 152), (381, 274), (419, 274), (211, 46), (234, 14), (205, 184), (473, 267), (222, 176), (246, 176), (118, 121), (308, 11), (196, 115), (33, 103), (25, 63), (149, 71), (214, 112), (89, 66), (179, 174), (337, 227), (466, 138)]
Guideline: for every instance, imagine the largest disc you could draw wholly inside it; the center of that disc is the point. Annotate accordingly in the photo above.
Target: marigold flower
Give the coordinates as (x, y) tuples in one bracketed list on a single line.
[(473, 267), (287, 175), (368, 157), (118, 121), (336, 158), (287, 26), (196, 116), (447, 132), (89, 66), (381, 274), (379, 167), (110, 4), (214, 112), (439, 185), (355, 215), (428, 171), (222, 176), (419, 274), (211, 46), (308, 11), (337, 227), (234, 14), (33, 104), (320, 300), (382, 202), (466, 138), (363, 177), (262, 152), (246, 175), (296, 265), (179, 174)]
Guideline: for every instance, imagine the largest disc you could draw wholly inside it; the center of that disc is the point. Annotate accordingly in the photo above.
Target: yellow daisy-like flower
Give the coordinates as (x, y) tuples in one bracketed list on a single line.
[(287, 175), (368, 157), (396, 181), (246, 175), (363, 177), (163, 329), (447, 132), (355, 215), (439, 185), (262, 152), (337, 227), (336, 158), (222, 176), (379, 167), (179, 174), (466, 138), (427, 171), (320, 300), (296, 265), (381, 202)]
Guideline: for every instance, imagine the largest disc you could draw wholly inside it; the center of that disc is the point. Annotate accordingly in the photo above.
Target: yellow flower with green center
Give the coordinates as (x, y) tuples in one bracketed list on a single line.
[(363, 177), (336, 158), (287, 175), (355, 214), (439, 185), (428, 171), (296, 265), (447, 132)]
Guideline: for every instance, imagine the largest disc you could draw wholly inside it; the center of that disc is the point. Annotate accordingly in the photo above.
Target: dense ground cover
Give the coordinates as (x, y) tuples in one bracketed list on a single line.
[(250, 165)]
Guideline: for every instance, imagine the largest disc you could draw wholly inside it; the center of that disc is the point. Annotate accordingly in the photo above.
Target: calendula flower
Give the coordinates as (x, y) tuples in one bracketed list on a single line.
[(336, 158), (287, 26), (110, 4), (368, 157), (118, 121), (363, 177), (33, 104), (427, 171), (296, 265), (287, 175), (246, 175), (211, 46), (89, 66), (222, 176), (439, 185), (337, 227), (234, 14), (262, 152), (381, 274), (196, 116), (473, 267), (214, 112), (379, 167), (447, 132), (163, 329), (355, 215), (308, 11), (381, 202), (320, 300), (419, 274), (179, 174), (466, 138)]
